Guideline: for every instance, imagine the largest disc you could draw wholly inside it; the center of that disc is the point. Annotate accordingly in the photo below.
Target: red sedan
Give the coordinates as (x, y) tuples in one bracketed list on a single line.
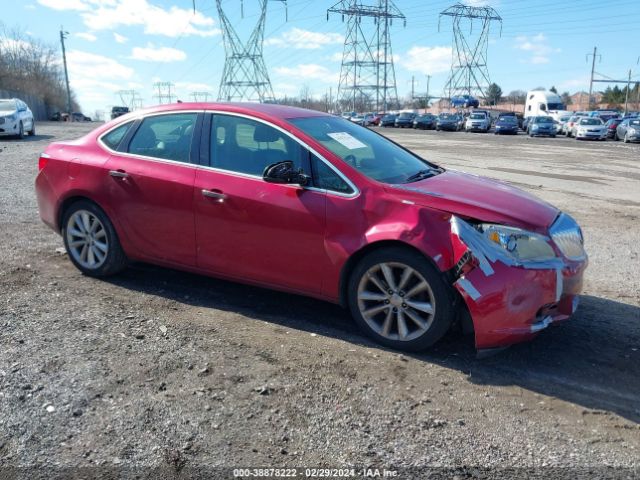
[(310, 203)]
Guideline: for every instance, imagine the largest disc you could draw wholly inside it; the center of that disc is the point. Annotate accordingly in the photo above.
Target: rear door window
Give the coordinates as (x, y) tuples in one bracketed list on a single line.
[(115, 136), (167, 137)]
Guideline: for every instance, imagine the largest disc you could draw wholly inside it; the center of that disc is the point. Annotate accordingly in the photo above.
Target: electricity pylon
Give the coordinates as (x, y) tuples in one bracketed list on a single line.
[(367, 76), (245, 75), (469, 72)]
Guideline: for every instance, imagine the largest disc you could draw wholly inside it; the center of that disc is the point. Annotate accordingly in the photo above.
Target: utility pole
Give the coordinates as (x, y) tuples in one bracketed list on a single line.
[(428, 81), (413, 90), (63, 35), (593, 71), (626, 98)]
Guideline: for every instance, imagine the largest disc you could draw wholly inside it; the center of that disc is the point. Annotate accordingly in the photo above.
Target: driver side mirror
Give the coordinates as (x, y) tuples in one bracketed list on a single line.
[(284, 172)]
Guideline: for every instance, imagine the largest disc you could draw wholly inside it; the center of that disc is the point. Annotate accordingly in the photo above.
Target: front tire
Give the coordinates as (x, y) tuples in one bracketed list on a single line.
[(91, 241), (400, 300), (20, 131), (32, 132), (626, 138)]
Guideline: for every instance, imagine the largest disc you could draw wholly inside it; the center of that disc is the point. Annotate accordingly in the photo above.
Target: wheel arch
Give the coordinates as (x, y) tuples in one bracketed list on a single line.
[(358, 255), (70, 200)]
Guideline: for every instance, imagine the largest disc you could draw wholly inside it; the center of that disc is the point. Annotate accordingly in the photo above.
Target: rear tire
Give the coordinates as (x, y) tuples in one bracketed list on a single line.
[(400, 300), (91, 241)]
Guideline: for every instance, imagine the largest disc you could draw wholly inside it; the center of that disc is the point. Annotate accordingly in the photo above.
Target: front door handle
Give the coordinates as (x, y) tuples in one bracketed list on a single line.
[(118, 173), (216, 194)]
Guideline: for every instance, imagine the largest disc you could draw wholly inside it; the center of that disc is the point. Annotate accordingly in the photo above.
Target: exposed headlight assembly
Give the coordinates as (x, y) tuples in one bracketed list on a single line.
[(522, 245), (11, 118)]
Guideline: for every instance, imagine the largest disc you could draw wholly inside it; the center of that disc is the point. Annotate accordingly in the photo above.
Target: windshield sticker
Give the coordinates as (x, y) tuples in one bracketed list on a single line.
[(346, 140)]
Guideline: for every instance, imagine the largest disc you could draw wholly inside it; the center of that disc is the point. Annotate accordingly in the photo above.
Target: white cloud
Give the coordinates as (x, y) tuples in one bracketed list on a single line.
[(537, 49), (305, 39), (120, 38), (307, 71), (110, 14), (79, 5), (427, 60), (89, 37), (172, 22), (151, 53), (95, 78)]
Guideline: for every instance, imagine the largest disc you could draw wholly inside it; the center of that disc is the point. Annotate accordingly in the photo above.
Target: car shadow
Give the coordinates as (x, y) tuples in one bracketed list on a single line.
[(593, 360)]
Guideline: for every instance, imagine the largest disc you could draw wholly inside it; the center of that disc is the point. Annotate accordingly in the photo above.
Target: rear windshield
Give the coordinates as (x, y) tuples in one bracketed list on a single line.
[(634, 122), (406, 115), (544, 120)]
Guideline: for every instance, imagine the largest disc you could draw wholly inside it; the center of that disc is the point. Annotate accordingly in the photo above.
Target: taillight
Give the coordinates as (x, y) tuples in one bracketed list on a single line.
[(43, 160)]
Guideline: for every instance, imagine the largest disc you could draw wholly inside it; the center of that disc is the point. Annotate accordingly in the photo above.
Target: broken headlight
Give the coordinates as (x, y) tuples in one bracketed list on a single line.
[(521, 244)]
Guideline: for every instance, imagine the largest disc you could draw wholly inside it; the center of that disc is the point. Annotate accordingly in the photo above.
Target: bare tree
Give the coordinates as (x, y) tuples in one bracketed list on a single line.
[(32, 67)]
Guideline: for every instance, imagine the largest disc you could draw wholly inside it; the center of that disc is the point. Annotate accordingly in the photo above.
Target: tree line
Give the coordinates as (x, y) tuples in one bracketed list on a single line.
[(30, 66)]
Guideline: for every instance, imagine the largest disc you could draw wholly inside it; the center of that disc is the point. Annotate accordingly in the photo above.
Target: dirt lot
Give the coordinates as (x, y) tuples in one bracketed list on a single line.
[(166, 374)]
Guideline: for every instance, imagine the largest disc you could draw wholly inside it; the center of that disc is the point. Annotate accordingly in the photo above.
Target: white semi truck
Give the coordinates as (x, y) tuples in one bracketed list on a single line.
[(544, 103)]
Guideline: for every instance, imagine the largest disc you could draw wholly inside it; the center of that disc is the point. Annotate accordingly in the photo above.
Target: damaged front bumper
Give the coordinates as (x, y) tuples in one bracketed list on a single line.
[(510, 301)]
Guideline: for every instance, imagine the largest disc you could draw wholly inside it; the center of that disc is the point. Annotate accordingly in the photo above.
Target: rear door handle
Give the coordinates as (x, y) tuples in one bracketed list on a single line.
[(217, 194), (118, 173)]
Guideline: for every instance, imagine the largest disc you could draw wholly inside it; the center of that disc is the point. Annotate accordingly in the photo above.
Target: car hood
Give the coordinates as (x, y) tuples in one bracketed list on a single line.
[(471, 196)]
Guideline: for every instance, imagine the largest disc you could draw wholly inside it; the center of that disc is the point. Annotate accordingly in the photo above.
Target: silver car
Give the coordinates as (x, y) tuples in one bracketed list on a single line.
[(15, 118), (629, 130), (590, 128)]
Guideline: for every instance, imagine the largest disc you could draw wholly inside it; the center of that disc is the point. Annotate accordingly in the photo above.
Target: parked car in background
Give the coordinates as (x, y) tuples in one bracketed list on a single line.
[(373, 119), (478, 122), (571, 123), (80, 117), (277, 200), (590, 127), (506, 125), (448, 122), (425, 122), (16, 118), (405, 120), (358, 119), (562, 123), (389, 120), (629, 130), (542, 126), (118, 111), (612, 126), (464, 101)]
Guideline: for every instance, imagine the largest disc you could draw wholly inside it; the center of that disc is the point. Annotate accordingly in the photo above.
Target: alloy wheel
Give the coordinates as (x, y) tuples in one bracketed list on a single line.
[(396, 301), (87, 239)]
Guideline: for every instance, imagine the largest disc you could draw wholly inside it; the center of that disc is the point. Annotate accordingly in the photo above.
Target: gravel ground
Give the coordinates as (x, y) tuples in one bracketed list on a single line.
[(160, 374)]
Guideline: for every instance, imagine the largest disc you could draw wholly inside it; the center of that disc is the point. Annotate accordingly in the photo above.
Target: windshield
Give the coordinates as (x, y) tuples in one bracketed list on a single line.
[(634, 122), (590, 121), (366, 151), (555, 106), (406, 115), (7, 106), (564, 119), (477, 116), (508, 119)]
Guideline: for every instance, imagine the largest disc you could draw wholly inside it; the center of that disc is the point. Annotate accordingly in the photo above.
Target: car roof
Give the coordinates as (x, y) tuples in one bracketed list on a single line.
[(268, 109)]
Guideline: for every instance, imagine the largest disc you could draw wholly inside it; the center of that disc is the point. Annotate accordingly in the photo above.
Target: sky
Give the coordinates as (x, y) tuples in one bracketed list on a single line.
[(116, 45)]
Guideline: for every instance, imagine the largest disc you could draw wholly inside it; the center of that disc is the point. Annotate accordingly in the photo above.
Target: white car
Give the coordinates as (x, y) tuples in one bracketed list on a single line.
[(590, 128), (478, 122), (15, 118)]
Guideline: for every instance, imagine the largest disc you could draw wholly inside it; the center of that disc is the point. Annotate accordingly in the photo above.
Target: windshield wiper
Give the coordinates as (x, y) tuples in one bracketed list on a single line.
[(420, 175)]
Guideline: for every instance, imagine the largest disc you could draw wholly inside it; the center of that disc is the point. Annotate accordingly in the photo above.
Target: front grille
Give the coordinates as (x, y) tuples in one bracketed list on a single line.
[(567, 235)]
